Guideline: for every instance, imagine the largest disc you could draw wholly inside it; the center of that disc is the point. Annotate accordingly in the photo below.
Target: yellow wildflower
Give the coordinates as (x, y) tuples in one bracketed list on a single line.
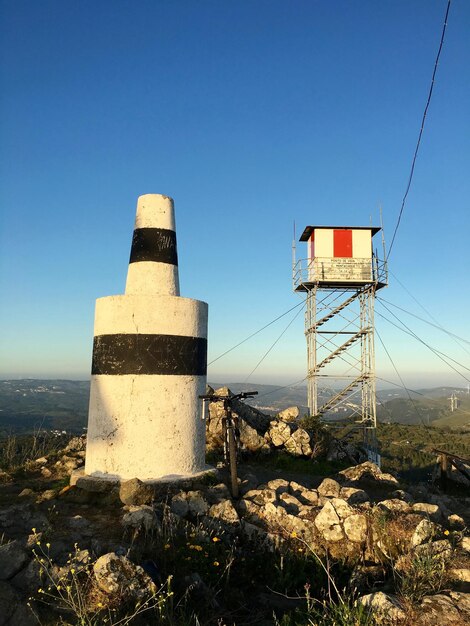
[(216, 563), (215, 539), (167, 546), (446, 532), (293, 534)]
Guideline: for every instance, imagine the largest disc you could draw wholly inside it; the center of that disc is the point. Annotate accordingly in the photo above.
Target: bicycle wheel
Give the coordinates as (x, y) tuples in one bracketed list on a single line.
[(232, 452)]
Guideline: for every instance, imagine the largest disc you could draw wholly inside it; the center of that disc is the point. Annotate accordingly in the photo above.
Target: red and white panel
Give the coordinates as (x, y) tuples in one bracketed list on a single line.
[(344, 243)]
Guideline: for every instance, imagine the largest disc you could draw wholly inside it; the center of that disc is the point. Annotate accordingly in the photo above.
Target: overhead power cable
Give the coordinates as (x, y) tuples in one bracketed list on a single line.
[(438, 353), (438, 326), (272, 345), (294, 384), (256, 332), (410, 178), (401, 379), (455, 337), (442, 355)]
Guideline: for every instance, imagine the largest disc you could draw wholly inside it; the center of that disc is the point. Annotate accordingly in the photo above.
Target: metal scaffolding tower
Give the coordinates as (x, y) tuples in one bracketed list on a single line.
[(339, 328)]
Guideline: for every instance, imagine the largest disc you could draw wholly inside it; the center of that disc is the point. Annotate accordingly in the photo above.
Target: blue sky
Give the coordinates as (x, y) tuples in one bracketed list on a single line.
[(250, 114)]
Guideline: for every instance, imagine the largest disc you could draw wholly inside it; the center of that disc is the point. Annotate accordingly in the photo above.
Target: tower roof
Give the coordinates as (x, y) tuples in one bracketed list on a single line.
[(308, 230)]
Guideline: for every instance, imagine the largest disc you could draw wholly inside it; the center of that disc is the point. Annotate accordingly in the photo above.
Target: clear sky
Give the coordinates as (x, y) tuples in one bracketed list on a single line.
[(251, 114)]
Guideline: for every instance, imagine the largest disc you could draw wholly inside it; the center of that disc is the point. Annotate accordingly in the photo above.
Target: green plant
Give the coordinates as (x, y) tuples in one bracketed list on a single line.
[(72, 590), (421, 575), (328, 612), (18, 452)]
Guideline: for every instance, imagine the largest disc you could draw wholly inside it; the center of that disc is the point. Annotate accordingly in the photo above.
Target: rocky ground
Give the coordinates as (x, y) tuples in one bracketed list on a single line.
[(283, 553)]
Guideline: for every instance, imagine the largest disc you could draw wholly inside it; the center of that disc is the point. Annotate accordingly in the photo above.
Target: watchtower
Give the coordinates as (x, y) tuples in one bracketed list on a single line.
[(340, 277)]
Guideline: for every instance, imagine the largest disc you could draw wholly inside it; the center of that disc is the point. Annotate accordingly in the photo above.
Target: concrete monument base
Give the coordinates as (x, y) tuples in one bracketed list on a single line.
[(105, 482)]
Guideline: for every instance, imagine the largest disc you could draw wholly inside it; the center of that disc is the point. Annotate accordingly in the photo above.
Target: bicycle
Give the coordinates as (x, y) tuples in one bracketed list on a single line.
[(230, 432)]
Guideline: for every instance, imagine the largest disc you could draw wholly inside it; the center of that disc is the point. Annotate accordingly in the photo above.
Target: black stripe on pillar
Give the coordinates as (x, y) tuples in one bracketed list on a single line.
[(120, 354), (154, 244)]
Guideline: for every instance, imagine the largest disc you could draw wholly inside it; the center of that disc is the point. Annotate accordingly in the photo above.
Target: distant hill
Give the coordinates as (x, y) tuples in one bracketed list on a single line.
[(29, 404), (432, 409)]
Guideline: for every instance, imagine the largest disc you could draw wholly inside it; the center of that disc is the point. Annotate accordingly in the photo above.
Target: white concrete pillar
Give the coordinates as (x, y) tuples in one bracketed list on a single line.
[(149, 363)]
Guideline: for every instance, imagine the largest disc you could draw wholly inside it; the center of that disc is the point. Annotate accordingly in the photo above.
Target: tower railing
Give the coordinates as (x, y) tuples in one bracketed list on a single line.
[(334, 271)]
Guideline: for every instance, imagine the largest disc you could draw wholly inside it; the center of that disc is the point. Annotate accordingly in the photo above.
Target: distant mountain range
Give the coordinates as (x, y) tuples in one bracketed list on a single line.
[(29, 404)]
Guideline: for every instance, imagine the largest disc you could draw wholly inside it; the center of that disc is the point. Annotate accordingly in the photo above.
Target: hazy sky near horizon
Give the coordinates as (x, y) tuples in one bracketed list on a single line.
[(250, 114)]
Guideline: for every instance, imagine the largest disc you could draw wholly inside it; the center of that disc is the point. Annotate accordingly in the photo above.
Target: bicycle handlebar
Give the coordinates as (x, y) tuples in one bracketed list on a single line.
[(238, 396)]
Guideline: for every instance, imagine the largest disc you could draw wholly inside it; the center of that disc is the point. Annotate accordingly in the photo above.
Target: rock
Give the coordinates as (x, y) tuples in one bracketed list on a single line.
[(344, 451), (218, 493), (41, 461), (465, 544), (17, 515), (438, 609), (279, 485), (460, 578), (279, 433), (13, 558), (28, 579), (179, 505), (48, 494), (68, 463), (329, 488), (4, 477), (455, 522), (250, 511), (441, 548), (342, 508), (261, 496), (304, 495), (22, 616), (298, 443), (364, 577), (136, 492), (118, 575), (291, 414), (402, 495), (430, 510), (290, 503), (249, 482), (355, 528), (384, 606), (328, 523), (423, 533), (462, 601), (393, 506), (142, 516), (77, 522), (366, 471), (353, 495), (249, 437), (224, 511), (26, 493), (252, 531), (8, 601), (76, 444), (46, 473), (196, 503)]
